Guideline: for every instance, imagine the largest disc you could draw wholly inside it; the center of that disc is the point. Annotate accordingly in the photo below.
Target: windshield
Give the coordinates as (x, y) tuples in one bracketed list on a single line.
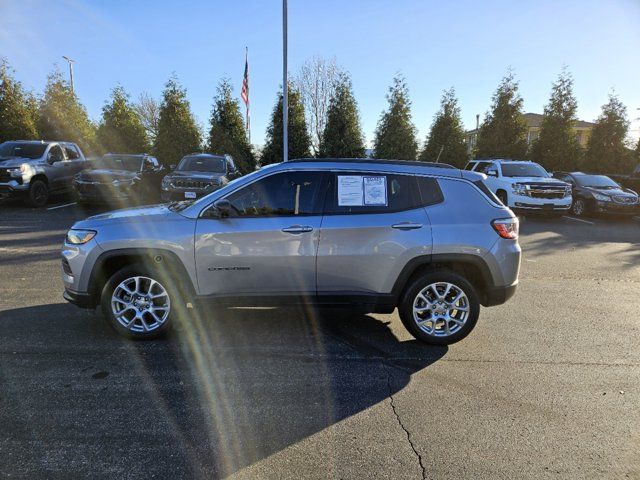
[(22, 150), (595, 181), (119, 162), (202, 163), (523, 170)]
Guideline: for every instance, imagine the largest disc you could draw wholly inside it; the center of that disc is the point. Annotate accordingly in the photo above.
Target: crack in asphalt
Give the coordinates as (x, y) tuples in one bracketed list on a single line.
[(397, 415)]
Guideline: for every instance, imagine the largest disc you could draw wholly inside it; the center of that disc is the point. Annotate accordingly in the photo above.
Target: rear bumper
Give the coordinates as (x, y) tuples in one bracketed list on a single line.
[(82, 300), (498, 295)]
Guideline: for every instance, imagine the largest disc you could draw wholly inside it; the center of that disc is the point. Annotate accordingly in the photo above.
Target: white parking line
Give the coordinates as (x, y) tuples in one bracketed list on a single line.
[(579, 220), (61, 206), (637, 219)]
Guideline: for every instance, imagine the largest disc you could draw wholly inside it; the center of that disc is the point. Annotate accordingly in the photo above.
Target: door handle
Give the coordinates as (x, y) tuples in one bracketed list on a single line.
[(406, 226), (296, 229)]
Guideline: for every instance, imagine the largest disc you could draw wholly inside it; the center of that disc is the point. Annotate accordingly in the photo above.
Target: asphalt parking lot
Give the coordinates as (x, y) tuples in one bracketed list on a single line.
[(547, 386)]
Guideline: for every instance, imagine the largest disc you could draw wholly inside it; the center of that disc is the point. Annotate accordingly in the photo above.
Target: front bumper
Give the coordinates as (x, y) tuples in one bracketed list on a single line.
[(88, 192), (525, 202), (13, 189), (82, 300), (613, 208), (177, 194)]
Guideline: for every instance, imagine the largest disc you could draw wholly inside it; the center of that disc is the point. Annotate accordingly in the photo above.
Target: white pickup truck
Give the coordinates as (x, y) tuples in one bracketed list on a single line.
[(524, 185)]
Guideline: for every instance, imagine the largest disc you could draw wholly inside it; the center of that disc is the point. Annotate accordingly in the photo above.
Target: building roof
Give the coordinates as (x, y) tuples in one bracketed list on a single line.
[(535, 120)]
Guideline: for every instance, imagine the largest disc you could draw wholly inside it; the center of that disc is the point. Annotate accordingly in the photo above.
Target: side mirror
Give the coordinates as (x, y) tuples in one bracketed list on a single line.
[(224, 207), (172, 167), (492, 173)]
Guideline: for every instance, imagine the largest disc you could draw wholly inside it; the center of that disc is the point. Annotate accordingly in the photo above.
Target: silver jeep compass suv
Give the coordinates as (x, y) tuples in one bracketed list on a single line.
[(371, 235)]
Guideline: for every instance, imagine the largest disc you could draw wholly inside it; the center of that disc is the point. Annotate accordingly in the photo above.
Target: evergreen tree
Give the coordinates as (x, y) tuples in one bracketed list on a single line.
[(606, 150), (395, 136), (557, 147), (17, 120), (445, 142), (63, 117), (227, 134), (503, 131), (121, 130), (342, 136), (637, 153), (299, 140), (178, 133)]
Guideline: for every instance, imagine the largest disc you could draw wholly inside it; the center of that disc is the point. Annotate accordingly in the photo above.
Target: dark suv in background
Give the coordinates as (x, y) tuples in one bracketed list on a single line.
[(120, 179), (197, 175)]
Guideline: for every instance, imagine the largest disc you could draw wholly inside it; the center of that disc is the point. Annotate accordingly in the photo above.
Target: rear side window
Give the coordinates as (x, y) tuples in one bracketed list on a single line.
[(470, 166), (429, 190), (364, 192)]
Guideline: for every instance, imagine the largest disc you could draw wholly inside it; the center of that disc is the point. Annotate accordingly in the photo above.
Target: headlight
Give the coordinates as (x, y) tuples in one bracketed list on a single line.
[(519, 189), (79, 237), (601, 198), (166, 182), (567, 190), (25, 171)]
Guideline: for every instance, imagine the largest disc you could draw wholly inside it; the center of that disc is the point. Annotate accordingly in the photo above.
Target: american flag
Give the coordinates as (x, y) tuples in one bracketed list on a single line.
[(244, 94)]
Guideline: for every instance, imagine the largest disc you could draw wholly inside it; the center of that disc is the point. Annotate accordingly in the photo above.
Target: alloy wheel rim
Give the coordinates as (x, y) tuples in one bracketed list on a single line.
[(39, 194), (140, 304), (441, 309), (578, 207)]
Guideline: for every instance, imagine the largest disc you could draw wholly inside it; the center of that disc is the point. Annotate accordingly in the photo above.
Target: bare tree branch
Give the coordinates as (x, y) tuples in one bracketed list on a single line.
[(316, 82), (148, 109)]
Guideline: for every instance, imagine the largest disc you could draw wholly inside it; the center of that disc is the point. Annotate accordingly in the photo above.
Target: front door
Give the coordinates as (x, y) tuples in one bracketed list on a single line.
[(268, 244)]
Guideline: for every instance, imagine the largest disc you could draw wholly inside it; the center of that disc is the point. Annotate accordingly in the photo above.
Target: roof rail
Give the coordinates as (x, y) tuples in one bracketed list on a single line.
[(373, 160)]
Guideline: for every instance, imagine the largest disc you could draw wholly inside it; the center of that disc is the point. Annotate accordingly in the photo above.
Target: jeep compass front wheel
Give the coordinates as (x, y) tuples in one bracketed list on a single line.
[(440, 308), (136, 304)]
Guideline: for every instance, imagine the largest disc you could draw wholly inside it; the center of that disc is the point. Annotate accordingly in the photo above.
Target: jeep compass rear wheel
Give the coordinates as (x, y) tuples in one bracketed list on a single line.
[(136, 304), (440, 308)]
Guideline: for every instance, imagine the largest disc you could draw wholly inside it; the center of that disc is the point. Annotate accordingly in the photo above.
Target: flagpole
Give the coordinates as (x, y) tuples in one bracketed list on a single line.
[(285, 90), (246, 62)]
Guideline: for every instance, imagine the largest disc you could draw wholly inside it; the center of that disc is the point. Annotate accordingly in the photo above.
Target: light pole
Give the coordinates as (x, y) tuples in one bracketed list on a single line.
[(285, 87), (70, 62)]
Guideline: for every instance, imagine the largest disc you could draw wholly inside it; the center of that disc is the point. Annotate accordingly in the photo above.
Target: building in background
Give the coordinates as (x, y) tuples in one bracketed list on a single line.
[(533, 120)]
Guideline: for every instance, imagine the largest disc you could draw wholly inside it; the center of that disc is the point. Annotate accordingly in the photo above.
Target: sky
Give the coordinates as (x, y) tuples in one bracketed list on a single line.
[(465, 44)]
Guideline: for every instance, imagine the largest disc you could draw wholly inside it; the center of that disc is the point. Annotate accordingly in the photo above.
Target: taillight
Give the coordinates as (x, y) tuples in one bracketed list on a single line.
[(506, 227)]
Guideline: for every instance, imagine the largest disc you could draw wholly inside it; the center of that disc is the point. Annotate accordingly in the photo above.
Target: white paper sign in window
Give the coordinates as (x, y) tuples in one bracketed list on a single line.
[(350, 191), (375, 190)]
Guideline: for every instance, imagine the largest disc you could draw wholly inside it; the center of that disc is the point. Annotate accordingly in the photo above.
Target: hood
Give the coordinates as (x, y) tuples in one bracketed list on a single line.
[(623, 192), (186, 175), (545, 180), (10, 162), (106, 176), (147, 213)]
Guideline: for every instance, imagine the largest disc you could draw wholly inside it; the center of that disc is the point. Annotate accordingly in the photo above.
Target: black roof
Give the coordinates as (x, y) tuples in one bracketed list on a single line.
[(374, 160)]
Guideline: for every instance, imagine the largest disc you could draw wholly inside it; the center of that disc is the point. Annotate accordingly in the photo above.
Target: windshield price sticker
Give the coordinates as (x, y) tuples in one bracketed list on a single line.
[(375, 191)]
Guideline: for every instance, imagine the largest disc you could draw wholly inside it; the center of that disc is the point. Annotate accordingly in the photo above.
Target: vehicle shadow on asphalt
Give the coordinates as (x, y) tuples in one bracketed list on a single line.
[(224, 390), (571, 235)]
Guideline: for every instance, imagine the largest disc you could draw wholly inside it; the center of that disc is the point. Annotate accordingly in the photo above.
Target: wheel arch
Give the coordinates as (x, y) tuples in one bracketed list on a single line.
[(472, 267), (111, 261)]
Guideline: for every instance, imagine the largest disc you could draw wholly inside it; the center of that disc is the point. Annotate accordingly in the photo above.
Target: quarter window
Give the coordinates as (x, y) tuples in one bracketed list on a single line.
[(281, 194)]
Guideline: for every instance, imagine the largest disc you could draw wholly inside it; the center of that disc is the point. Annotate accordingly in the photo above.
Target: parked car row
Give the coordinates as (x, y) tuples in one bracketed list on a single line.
[(34, 170), (527, 186)]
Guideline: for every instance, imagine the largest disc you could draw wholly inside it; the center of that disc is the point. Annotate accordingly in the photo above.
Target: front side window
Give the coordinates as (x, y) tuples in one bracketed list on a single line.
[(483, 167), (281, 194), (363, 192), (72, 152), (55, 154)]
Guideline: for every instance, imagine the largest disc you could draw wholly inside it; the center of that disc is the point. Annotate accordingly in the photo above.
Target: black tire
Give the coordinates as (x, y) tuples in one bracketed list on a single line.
[(579, 207), (423, 281), (38, 194), (502, 196), (134, 271)]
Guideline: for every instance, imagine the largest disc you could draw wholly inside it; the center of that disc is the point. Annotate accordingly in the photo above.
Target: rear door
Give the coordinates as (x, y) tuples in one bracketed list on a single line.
[(269, 244), (373, 225)]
